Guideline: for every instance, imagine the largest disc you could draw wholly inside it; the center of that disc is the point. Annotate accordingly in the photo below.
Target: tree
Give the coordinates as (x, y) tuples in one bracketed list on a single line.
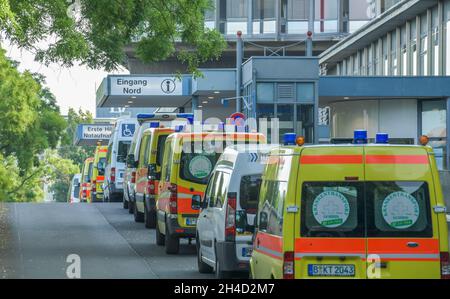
[(67, 149), (100, 31), (30, 124)]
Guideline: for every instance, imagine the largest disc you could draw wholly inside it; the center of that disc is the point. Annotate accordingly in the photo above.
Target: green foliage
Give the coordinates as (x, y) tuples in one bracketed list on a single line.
[(59, 171), (67, 150), (30, 124), (101, 30)]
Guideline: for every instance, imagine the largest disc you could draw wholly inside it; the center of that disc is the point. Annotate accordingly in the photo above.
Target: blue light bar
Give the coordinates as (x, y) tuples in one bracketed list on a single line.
[(289, 138), (382, 138), (154, 125), (146, 117), (360, 137)]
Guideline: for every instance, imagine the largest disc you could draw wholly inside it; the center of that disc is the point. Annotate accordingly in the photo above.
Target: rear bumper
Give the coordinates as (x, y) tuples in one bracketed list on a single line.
[(176, 230), (115, 191), (226, 254)]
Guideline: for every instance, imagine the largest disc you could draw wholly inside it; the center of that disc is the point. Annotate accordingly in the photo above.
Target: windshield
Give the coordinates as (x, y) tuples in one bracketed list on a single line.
[(122, 150), (89, 174)]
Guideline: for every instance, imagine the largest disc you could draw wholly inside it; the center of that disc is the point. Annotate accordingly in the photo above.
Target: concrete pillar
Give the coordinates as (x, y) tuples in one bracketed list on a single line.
[(194, 103), (309, 41), (239, 55)]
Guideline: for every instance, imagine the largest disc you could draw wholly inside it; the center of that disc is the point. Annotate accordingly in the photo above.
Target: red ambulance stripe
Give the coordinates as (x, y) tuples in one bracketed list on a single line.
[(330, 245), (331, 159), (269, 244), (391, 159), (399, 246)]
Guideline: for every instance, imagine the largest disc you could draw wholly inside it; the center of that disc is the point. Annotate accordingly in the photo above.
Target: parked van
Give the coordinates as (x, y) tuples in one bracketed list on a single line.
[(148, 174), (98, 173), (132, 160), (74, 189), (226, 223), (118, 147), (189, 159), (85, 192), (351, 211)]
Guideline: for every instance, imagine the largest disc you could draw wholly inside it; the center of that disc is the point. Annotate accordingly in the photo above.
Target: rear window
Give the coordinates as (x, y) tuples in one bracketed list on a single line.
[(197, 167), (372, 209), (160, 151), (76, 191), (249, 193), (122, 150), (398, 209), (101, 166), (333, 210), (89, 175)]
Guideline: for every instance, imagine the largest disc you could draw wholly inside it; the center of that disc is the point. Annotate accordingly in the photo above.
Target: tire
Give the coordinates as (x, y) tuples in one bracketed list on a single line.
[(159, 237), (172, 243), (138, 217), (131, 207), (125, 203), (202, 266), (149, 217), (219, 273)]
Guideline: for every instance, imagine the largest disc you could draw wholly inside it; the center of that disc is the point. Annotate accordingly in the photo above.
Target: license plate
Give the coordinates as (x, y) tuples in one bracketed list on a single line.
[(191, 221), (247, 251), (331, 270)]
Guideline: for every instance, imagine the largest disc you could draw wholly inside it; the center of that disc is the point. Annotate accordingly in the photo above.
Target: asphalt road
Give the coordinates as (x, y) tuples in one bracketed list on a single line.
[(36, 240)]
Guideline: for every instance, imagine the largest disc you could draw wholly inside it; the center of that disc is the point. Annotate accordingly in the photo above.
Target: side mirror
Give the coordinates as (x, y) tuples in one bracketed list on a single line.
[(130, 161), (79, 185), (196, 203), (263, 221)]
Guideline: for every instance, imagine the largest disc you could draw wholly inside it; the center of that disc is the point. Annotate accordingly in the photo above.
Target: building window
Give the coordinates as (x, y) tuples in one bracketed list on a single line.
[(264, 17), (376, 58), (387, 4), (423, 45), (385, 57), (265, 93), (305, 92), (447, 46), (294, 16), (356, 15), (355, 64), (435, 42), (370, 61), (326, 16), (210, 18), (434, 118), (413, 42), (404, 52), (233, 16), (394, 62)]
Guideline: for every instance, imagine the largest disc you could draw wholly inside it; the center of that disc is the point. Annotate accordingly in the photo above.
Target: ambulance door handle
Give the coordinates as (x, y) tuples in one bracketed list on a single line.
[(412, 244)]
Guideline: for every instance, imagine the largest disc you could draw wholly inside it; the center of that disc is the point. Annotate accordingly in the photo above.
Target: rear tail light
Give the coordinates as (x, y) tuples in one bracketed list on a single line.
[(113, 175), (445, 265), (94, 186), (133, 177), (288, 265), (151, 187), (173, 199), (83, 191), (230, 217)]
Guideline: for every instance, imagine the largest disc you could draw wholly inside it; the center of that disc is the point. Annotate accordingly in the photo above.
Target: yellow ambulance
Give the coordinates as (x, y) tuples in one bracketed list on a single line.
[(351, 211), (98, 173), (85, 191), (189, 159)]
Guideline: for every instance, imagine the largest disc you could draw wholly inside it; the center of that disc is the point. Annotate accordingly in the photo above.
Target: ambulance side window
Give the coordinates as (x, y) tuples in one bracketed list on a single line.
[(211, 191), (398, 209), (271, 215), (168, 160)]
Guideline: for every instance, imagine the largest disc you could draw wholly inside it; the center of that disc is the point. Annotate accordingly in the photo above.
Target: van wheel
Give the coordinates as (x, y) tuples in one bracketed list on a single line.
[(130, 207), (138, 216), (149, 217), (202, 266), (159, 237), (220, 274), (125, 203), (172, 243)]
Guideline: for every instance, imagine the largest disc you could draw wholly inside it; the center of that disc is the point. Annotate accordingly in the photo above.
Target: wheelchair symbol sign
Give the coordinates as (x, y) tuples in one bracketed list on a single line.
[(168, 86), (128, 130)]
